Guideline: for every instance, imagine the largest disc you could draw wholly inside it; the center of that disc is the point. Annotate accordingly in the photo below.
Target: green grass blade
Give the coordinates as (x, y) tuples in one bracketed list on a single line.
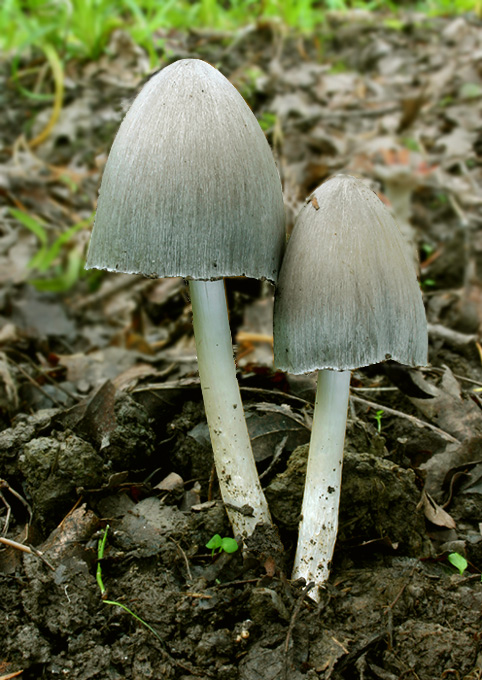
[(138, 618), (35, 226)]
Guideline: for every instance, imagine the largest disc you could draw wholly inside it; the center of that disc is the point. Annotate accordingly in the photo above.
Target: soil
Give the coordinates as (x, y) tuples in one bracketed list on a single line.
[(101, 415)]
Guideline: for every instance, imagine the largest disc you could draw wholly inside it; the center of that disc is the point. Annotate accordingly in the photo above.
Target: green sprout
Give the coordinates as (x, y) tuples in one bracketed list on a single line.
[(458, 561), (227, 545), (427, 249), (411, 144), (378, 417), (103, 591)]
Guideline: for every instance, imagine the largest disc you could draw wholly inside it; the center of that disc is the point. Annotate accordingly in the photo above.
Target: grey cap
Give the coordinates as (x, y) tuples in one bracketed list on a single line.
[(190, 187), (347, 293)]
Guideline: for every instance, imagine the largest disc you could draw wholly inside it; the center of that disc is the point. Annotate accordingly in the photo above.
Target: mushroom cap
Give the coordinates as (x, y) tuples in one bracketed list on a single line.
[(347, 293), (190, 187)]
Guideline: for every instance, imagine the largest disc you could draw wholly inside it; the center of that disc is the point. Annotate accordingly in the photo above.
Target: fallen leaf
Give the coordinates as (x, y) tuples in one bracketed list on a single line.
[(434, 513)]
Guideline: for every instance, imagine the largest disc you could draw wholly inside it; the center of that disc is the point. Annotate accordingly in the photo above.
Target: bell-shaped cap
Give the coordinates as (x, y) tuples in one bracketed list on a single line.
[(347, 293), (190, 187)]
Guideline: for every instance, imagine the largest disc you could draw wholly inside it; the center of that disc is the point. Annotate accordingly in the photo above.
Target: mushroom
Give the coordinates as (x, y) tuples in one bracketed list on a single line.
[(347, 297), (191, 189)]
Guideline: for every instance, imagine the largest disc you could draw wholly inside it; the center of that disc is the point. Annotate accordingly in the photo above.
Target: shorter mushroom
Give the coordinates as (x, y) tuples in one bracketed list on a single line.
[(347, 297)]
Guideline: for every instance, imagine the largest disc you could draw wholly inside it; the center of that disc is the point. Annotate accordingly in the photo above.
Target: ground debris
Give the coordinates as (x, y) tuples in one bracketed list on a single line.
[(397, 104)]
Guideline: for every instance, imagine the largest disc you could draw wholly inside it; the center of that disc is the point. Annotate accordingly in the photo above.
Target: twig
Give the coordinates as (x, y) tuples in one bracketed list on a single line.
[(441, 371), (10, 676), (242, 582), (44, 373), (454, 338), (27, 549), (390, 607), (37, 386), (212, 477), (412, 419), (16, 545), (277, 453), (9, 512), (41, 557), (5, 485), (186, 561), (117, 286), (374, 389), (277, 393), (296, 611)]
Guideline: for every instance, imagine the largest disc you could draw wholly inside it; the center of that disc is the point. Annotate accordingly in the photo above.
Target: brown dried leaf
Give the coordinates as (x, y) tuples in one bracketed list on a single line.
[(449, 409), (435, 514)]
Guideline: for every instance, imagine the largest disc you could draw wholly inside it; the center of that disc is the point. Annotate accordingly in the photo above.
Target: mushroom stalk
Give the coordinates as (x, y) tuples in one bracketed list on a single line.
[(321, 499), (233, 457)]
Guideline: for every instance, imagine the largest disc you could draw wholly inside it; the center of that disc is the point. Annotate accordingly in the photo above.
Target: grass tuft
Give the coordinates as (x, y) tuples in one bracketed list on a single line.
[(82, 28)]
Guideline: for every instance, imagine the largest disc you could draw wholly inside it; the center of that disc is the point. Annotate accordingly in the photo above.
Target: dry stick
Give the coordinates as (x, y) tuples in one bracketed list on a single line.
[(277, 453), (26, 548), (123, 283), (357, 652), (6, 486), (37, 386), (441, 371), (8, 515), (16, 545), (10, 676), (42, 372), (390, 607), (186, 561), (212, 478), (242, 582), (409, 672), (296, 611), (277, 393), (41, 557), (457, 339), (412, 419)]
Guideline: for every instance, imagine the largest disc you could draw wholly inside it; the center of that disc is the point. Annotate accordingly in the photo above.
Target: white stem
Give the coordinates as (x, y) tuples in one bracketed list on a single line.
[(238, 478), (321, 499)]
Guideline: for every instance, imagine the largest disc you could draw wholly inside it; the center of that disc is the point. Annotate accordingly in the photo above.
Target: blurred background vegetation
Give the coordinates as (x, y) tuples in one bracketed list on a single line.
[(39, 39), (81, 28)]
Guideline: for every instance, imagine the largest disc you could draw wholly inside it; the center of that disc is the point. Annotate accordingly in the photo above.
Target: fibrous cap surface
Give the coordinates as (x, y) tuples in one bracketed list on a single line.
[(347, 293), (190, 187)]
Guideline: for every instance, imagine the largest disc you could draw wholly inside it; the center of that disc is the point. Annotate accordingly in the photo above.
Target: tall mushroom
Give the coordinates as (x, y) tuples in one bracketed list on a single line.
[(191, 189), (347, 297)]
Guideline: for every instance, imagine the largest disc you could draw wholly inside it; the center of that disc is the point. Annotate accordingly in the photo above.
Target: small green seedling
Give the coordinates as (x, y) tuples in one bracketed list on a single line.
[(226, 544), (427, 249), (103, 591), (427, 283), (458, 561), (378, 417)]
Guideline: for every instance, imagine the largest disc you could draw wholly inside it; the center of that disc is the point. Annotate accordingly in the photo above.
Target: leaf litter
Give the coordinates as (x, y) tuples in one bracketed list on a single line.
[(101, 413)]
